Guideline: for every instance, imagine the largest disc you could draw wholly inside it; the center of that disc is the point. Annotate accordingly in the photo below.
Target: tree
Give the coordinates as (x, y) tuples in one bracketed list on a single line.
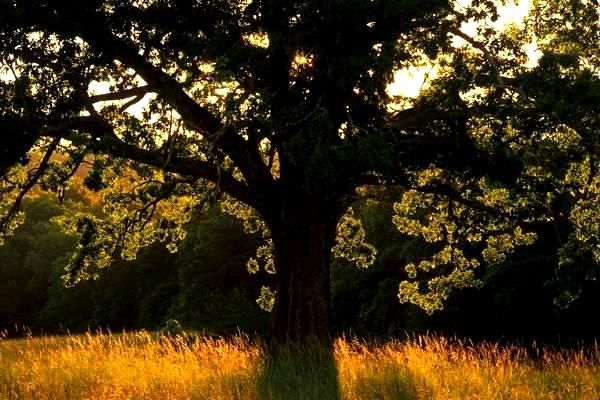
[(281, 110)]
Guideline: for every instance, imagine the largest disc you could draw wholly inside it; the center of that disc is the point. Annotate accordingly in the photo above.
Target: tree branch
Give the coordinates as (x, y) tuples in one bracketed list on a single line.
[(110, 144), (503, 82), (197, 117), (121, 95), (96, 32), (450, 193), (416, 117), (31, 182), (481, 47)]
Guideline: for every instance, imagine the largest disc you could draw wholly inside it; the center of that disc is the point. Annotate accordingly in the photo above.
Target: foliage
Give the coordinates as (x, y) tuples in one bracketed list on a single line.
[(141, 293), (351, 242), (547, 176), (205, 287)]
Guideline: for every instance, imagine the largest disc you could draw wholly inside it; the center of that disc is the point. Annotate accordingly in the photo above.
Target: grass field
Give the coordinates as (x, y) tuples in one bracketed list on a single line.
[(141, 366)]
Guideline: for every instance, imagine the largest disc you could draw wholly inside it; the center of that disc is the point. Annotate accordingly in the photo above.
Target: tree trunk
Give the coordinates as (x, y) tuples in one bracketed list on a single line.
[(302, 239)]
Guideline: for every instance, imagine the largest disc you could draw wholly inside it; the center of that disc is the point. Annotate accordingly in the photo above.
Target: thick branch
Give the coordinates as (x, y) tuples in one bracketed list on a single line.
[(417, 117), (110, 144), (121, 95), (169, 89), (97, 33), (246, 158), (182, 166)]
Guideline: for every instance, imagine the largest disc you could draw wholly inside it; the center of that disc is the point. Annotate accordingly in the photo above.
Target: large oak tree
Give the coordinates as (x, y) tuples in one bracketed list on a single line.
[(282, 110)]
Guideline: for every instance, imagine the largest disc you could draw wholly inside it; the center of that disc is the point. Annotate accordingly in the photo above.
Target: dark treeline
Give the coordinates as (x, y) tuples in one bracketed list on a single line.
[(206, 286)]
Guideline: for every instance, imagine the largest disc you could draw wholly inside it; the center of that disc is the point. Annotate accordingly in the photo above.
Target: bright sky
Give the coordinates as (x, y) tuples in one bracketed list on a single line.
[(410, 81)]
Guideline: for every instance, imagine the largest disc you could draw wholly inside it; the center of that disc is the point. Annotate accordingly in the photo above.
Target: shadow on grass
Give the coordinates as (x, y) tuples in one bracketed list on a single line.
[(389, 383), (305, 372)]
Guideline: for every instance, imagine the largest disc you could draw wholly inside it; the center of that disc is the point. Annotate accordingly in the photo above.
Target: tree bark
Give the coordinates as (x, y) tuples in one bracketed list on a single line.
[(302, 239)]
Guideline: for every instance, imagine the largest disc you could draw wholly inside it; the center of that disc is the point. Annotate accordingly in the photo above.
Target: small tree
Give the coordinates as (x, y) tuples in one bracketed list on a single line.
[(282, 110)]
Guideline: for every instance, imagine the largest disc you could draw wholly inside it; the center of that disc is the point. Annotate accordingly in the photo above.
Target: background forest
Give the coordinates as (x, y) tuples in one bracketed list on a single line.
[(205, 285)]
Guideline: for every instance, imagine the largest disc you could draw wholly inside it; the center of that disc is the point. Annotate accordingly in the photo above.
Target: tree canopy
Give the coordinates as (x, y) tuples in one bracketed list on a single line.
[(282, 110)]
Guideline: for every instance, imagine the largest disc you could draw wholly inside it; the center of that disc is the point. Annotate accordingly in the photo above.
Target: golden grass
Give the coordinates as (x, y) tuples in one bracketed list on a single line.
[(141, 366)]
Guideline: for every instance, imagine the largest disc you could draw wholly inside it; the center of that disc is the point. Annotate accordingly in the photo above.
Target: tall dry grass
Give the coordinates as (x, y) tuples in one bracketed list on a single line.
[(142, 366)]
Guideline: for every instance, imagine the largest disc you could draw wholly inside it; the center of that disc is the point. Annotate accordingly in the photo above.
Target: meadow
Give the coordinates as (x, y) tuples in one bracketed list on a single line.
[(143, 365)]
